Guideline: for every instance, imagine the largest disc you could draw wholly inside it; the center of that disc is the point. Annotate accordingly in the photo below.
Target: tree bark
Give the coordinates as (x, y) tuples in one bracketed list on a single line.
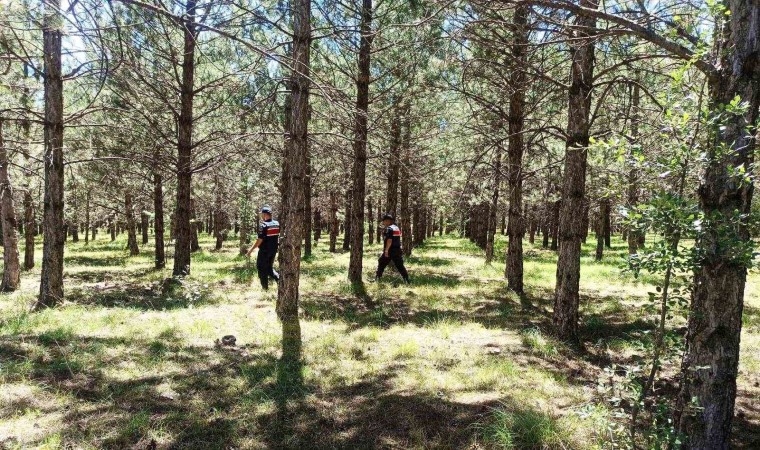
[(308, 227), (184, 228), (360, 144), (194, 228), (391, 193), (158, 220), (293, 202), (317, 226), (30, 230), (710, 364), (603, 227), (87, 224), (145, 225), (404, 210), (347, 220), (11, 266), (370, 222), (516, 221), (334, 226), (51, 284), (131, 226), (220, 216), (565, 315), (633, 173), (492, 212)]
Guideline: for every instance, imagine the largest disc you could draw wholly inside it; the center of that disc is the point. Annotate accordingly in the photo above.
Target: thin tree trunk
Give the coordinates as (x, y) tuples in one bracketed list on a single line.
[(603, 227), (347, 220), (11, 266), (219, 216), (184, 228), (574, 183), (293, 202), (633, 173), (360, 144), (334, 227), (391, 193), (87, 218), (131, 226), (516, 226), (710, 363), (308, 227), (158, 219), (51, 284), (404, 210), (145, 225), (30, 230), (194, 226), (370, 227), (492, 212), (317, 226)]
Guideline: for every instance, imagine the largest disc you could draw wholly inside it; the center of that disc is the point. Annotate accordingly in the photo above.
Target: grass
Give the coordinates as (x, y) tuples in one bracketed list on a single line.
[(452, 361)]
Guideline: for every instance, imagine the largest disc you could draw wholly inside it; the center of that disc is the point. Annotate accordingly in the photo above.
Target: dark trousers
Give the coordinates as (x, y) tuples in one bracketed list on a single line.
[(265, 267), (397, 257)]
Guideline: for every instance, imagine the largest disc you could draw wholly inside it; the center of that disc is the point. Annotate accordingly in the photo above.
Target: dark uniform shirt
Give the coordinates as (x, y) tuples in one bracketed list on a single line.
[(393, 232), (269, 231)]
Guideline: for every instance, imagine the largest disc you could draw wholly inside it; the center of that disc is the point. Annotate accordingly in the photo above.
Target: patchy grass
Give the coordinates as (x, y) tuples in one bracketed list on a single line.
[(452, 361)]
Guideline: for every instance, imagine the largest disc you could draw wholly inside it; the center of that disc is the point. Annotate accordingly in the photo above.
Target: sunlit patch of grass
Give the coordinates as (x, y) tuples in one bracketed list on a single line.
[(518, 429), (406, 350), (537, 342)]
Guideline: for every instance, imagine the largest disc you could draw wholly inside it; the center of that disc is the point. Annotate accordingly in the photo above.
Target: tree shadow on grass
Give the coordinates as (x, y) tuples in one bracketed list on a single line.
[(172, 294)]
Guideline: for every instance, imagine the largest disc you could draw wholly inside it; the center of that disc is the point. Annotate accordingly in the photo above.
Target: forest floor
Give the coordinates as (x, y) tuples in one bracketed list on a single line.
[(452, 361)]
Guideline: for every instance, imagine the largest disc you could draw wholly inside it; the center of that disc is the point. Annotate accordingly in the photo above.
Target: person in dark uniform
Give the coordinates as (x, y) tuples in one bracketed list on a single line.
[(391, 249), (268, 237)]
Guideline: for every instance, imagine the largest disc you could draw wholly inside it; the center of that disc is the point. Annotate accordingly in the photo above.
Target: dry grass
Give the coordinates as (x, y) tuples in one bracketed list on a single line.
[(453, 361)]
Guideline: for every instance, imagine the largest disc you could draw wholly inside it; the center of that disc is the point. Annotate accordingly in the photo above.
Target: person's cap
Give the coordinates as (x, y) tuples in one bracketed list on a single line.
[(388, 217), (266, 209)]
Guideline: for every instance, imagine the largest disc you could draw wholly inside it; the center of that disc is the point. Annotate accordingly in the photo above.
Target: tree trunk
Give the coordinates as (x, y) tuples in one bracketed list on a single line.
[(379, 227), (293, 202), (492, 212), (603, 227), (87, 224), (516, 227), (555, 225), (370, 222), (30, 230), (75, 233), (574, 182), (347, 220), (158, 220), (184, 229), (308, 228), (194, 227), (220, 219), (334, 227), (710, 363), (51, 284), (391, 193), (404, 210), (360, 144), (11, 266), (633, 173), (145, 224), (131, 226), (317, 226)]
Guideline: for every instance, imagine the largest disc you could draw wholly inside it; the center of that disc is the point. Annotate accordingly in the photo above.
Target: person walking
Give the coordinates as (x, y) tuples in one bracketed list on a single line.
[(391, 249), (267, 242)]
